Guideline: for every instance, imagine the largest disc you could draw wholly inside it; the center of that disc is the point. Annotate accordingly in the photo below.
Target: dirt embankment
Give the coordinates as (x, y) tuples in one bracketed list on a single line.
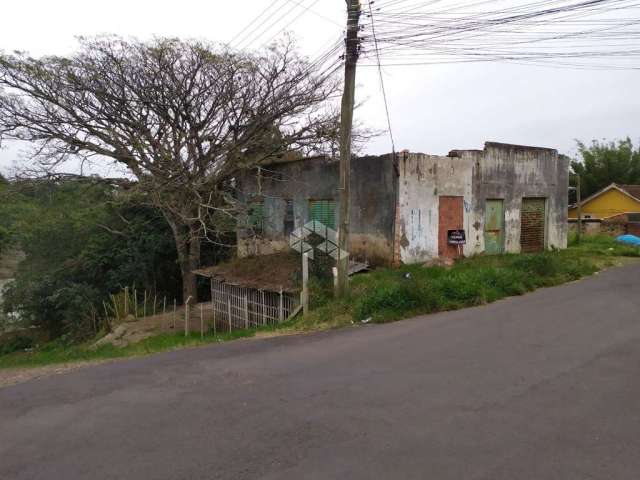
[(12, 376)]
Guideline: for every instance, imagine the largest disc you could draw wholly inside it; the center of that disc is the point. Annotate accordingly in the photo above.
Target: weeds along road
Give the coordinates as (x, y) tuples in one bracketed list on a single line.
[(543, 386)]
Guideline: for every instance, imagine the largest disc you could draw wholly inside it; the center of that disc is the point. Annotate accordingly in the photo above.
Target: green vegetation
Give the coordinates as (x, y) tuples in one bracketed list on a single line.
[(60, 352), (604, 163), (390, 294), (385, 295), (84, 239)]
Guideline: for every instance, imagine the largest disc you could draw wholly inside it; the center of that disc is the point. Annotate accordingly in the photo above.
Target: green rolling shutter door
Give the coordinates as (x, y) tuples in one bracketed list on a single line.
[(532, 224), (256, 216), (324, 211)]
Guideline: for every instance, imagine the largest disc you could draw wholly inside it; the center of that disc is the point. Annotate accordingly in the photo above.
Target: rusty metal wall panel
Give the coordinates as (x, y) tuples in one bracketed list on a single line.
[(532, 224)]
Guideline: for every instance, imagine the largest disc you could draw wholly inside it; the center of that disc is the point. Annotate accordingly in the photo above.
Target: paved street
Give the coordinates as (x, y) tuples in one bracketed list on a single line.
[(544, 386)]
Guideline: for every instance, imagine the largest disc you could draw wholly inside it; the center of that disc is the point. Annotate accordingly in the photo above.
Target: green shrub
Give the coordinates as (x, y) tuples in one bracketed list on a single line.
[(542, 264), (16, 344), (388, 294), (402, 296)]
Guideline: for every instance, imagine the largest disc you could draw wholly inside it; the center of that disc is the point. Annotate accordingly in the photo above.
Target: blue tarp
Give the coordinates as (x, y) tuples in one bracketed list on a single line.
[(629, 239)]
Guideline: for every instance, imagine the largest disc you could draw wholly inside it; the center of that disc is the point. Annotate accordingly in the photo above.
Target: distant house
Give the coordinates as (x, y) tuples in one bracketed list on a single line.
[(610, 201), (614, 209), (415, 207)]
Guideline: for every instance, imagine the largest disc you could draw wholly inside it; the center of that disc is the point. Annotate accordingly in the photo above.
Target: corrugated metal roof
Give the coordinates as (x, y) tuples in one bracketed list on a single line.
[(633, 190)]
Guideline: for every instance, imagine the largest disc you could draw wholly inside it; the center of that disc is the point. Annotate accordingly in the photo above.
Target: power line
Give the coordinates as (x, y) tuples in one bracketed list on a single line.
[(271, 5), (409, 33), (305, 10), (299, 4), (253, 36), (384, 93)]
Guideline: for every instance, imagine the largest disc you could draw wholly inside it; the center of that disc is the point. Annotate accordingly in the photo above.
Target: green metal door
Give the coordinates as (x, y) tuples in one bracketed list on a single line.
[(494, 227)]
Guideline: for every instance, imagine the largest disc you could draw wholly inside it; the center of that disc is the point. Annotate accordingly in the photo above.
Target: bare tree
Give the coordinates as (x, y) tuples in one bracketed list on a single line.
[(182, 117)]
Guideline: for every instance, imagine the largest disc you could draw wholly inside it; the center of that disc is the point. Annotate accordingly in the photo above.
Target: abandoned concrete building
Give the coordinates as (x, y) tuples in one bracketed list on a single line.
[(416, 207)]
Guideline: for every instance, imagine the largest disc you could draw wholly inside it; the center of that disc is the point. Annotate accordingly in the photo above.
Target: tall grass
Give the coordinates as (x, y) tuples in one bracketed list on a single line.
[(58, 352), (602, 245), (390, 294)]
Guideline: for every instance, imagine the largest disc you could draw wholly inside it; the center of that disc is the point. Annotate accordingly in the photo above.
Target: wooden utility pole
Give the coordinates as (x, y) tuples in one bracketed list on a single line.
[(352, 45), (304, 296), (579, 201)]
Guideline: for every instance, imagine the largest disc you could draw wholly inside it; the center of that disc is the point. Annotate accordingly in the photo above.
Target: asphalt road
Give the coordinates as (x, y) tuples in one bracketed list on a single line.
[(545, 386)]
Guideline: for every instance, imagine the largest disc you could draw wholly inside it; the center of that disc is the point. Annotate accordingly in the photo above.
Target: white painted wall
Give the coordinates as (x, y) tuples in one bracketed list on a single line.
[(423, 178), (499, 172)]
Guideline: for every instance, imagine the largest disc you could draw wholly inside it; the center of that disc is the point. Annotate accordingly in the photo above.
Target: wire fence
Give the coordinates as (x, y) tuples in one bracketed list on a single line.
[(235, 307)]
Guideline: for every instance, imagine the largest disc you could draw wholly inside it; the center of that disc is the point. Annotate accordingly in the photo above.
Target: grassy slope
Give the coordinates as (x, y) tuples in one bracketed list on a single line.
[(59, 353), (389, 294)]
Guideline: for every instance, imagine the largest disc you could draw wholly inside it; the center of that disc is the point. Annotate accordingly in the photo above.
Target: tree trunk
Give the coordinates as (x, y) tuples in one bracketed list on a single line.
[(188, 247), (189, 284)]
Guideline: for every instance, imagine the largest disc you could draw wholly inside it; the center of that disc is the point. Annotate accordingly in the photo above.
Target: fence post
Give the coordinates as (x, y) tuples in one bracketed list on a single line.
[(106, 315), (305, 283), (213, 312), (213, 308), (164, 311), (126, 302), (229, 310), (115, 306), (245, 302), (186, 317), (135, 301), (174, 313), (144, 305), (201, 321), (280, 307), (155, 301)]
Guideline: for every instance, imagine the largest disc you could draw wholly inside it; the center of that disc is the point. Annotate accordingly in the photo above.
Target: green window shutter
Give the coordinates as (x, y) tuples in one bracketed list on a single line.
[(323, 211), (256, 216)]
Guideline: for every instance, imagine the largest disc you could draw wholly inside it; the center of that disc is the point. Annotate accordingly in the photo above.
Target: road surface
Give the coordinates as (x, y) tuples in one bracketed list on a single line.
[(544, 386)]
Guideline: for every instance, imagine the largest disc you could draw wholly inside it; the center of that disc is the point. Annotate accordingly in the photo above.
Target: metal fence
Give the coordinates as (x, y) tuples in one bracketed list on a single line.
[(236, 307)]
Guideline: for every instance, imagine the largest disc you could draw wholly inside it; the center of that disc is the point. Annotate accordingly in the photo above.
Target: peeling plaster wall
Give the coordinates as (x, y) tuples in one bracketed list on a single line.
[(373, 198), (422, 179), (513, 172), (500, 171), (395, 208)]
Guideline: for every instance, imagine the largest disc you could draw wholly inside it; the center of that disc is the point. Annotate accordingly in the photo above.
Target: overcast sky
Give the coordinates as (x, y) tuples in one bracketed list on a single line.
[(433, 109)]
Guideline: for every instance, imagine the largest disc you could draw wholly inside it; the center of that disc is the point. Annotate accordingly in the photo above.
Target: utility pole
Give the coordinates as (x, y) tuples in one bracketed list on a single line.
[(579, 201), (352, 45)]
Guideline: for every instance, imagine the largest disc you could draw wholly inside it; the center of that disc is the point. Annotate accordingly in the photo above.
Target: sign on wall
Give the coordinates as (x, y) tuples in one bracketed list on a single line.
[(456, 237)]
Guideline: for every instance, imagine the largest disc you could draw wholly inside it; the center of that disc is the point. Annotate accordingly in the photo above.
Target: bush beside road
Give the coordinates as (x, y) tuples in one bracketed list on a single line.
[(383, 295)]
